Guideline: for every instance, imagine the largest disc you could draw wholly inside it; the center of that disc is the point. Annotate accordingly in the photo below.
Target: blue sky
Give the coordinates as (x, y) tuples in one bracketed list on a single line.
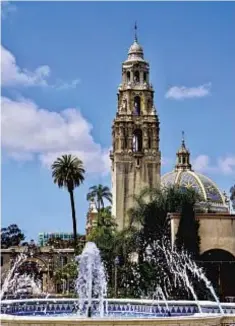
[(61, 66)]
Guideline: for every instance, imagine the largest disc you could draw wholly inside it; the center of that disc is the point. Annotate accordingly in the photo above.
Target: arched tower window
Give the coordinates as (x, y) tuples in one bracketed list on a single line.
[(145, 76), (128, 76), (137, 108), (136, 76), (137, 140)]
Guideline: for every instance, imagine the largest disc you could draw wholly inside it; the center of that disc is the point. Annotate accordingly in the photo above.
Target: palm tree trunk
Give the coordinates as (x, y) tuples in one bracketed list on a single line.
[(73, 218), (98, 215)]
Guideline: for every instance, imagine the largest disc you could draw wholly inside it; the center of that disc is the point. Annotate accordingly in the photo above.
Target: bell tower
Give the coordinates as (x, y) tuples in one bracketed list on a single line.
[(135, 151)]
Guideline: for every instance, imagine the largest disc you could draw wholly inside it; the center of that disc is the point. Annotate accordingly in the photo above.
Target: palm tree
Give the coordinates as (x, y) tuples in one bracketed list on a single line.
[(68, 172), (99, 193)]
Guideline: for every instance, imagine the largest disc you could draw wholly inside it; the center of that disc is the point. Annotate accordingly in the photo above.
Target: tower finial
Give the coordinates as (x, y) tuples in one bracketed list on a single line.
[(182, 137), (135, 27)]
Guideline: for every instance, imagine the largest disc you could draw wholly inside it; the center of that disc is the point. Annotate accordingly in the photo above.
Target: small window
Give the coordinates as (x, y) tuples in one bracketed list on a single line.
[(145, 77), (128, 76), (1, 260), (137, 108), (137, 140), (136, 76)]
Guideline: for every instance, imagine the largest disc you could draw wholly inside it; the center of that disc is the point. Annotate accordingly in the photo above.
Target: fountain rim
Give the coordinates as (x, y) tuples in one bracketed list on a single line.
[(122, 300), (197, 316), (68, 319)]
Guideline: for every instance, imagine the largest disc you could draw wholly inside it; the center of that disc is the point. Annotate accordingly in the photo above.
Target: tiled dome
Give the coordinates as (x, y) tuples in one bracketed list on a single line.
[(203, 185), (184, 176)]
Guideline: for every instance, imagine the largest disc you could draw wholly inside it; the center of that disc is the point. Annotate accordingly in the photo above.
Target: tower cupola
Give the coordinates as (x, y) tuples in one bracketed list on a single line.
[(183, 157)]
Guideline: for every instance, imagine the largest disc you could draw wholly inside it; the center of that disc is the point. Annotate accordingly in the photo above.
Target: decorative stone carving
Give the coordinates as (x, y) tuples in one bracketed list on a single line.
[(123, 106)]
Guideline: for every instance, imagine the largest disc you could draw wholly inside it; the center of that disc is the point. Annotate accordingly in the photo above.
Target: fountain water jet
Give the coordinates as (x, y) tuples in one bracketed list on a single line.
[(21, 257), (160, 294), (192, 266), (178, 263), (24, 284), (91, 282)]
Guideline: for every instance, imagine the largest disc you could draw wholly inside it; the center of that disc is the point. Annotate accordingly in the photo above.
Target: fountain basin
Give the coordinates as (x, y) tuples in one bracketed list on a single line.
[(122, 312)]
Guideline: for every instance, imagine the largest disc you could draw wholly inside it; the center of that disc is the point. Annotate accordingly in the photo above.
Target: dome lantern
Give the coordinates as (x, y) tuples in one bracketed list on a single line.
[(183, 157)]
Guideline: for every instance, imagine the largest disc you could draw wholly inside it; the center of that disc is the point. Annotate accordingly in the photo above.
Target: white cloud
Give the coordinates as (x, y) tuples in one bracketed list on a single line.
[(60, 85), (227, 165), (31, 132), (201, 163), (224, 165), (182, 92), (13, 75), (7, 8)]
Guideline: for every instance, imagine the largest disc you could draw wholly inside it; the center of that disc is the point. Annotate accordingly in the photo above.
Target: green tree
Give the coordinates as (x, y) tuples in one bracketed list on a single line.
[(104, 237), (66, 273), (59, 243), (151, 214), (11, 236), (99, 193), (68, 172), (187, 236)]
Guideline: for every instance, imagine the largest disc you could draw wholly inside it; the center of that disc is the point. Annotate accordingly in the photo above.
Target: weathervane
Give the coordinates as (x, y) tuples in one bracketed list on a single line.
[(135, 27)]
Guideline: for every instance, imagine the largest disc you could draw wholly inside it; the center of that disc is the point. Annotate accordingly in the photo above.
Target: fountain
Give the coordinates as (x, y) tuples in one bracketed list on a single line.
[(92, 306)]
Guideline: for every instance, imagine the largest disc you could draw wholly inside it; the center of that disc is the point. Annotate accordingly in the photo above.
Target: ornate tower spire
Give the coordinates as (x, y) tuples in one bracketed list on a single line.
[(183, 157), (135, 154)]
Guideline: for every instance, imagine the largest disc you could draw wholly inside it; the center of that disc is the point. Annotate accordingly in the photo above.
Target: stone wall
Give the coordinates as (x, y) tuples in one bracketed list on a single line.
[(129, 179), (217, 231), (186, 321)]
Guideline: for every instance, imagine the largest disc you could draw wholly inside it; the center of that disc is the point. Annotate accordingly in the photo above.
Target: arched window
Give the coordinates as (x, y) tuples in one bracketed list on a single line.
[(136, 76), (145, 76), (128, 76), (137, 140), (137, 108)]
